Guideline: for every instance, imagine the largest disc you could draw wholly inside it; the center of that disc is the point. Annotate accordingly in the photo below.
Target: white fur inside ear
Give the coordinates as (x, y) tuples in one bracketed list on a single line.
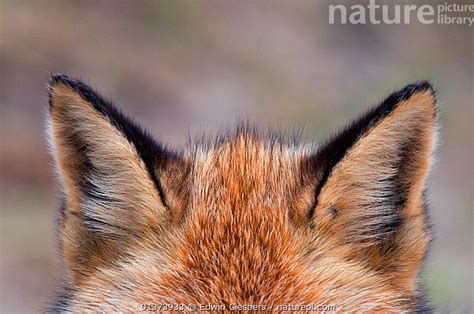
[(49, 140)]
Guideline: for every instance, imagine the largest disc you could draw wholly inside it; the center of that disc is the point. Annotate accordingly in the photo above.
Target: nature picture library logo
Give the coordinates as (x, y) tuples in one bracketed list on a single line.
[(448, 13)]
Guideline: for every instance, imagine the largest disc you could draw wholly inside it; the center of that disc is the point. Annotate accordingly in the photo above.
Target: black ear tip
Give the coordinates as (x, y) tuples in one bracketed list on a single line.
[(418, 87), (405, 93), (60, 78), (77, 86), (425, 86), (63, 79)]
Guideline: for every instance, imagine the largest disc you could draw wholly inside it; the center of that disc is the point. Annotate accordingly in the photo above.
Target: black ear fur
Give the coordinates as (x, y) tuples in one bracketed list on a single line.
[(112, 174), (332, 151), (154, 155)]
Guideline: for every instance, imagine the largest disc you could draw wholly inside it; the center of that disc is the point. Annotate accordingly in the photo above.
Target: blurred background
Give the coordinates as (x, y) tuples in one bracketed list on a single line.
[(180, 67)]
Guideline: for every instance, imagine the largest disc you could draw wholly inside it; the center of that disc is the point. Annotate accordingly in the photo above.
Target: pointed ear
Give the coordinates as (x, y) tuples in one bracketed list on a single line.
[(113, 173), (370, 183)]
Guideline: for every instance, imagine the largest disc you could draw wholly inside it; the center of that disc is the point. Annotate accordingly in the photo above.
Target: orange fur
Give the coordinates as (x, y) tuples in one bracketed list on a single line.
[(234, 228)]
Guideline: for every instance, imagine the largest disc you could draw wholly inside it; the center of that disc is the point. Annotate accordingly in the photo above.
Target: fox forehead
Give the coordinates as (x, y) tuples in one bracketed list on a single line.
[(249, 176), (247, 171)]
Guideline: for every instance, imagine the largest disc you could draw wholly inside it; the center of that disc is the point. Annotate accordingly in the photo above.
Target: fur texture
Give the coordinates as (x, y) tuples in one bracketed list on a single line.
[(250, 219)]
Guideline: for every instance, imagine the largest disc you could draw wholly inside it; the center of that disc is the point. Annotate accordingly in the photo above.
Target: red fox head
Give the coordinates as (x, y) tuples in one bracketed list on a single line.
[(250, 219)]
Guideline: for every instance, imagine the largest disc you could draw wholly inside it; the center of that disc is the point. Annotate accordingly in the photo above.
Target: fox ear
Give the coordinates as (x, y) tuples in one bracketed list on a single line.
[(114, 176), (371, 180)]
